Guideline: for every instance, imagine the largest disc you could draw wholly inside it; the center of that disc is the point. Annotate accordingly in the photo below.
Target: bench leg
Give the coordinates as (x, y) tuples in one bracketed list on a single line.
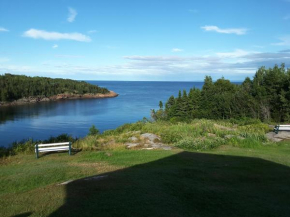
[(36, 151), (69, 150)]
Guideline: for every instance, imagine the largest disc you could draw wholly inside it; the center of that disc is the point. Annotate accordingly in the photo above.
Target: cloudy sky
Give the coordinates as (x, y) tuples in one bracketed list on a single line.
[(155, 40)]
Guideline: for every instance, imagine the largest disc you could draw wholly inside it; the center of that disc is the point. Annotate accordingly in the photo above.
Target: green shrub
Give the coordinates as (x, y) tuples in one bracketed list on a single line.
[(93, 131), (244, 121), (200, 143), (170, 136), (28, 146)]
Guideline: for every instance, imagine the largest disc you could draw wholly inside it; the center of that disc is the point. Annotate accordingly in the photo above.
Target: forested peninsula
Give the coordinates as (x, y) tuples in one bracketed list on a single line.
[(21, 89), (265, 97)]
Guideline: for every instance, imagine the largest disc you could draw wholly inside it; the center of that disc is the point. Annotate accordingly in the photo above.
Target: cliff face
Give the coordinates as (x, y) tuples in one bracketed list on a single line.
[(36, 99)]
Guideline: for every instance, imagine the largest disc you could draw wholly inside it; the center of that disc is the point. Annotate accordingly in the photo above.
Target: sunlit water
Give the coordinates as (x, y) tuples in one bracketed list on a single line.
[(75, 117)]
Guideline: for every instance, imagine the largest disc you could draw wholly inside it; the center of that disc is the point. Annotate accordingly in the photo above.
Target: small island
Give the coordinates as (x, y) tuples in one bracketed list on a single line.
[(21, 89)]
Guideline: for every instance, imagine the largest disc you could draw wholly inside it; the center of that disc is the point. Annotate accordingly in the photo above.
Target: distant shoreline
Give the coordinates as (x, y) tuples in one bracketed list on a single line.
[(38, 99)]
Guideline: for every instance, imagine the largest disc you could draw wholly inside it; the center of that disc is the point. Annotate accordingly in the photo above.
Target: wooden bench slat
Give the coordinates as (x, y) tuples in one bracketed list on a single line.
[(64, 149), (53, 144), (284, 128), (53, 148)]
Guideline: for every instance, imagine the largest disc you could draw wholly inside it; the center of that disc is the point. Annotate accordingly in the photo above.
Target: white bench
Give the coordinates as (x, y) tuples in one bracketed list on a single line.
[(63, 146), (278, 128)]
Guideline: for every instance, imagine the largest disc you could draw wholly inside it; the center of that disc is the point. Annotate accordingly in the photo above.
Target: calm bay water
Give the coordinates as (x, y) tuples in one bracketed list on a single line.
[(75, 117)]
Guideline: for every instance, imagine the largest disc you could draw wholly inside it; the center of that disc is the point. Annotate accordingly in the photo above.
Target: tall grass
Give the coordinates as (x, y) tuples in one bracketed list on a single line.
[(199, 134), (28, 146)]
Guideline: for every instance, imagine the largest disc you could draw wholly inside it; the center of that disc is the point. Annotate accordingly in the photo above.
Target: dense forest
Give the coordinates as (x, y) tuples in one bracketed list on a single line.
[(265, 97), (13, 87)]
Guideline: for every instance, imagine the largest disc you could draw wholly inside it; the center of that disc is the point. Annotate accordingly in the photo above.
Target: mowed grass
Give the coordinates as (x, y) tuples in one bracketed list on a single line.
[(227, 181)]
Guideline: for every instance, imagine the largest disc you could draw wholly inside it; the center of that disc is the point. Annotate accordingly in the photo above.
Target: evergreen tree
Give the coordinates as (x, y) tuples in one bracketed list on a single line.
[(160, 105), (13, 87), (266, 97)]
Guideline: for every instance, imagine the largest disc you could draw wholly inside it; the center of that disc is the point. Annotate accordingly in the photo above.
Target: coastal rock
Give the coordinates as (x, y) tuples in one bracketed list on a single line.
[(152, 138), (36, 99), (149, 141), (282, 135), (133, 138), (131, 145)]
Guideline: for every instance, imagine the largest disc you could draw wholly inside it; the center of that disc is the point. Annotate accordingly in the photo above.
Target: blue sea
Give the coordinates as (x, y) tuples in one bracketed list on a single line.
[(75, 117)]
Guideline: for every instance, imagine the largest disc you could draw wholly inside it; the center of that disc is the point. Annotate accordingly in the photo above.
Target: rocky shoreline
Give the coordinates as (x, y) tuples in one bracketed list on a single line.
[(37, 99)]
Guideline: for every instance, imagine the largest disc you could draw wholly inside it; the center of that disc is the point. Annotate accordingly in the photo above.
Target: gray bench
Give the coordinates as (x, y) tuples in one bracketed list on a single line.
[(278, 128), (63, 146)]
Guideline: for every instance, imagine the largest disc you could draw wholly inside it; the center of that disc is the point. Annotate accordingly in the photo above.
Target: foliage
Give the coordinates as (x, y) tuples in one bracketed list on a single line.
[(200, 143), (28, 146), (13, 87), (93, 131), (266, 98), (199, 134)]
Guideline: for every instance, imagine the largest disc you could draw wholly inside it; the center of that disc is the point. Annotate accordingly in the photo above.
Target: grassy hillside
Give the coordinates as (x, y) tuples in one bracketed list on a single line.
[(200, 134), (214, 169), (225, 182)]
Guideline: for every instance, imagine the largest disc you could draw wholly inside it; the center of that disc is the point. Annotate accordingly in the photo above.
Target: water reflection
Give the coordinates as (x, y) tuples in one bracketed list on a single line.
[(12, 113), (75, 117)]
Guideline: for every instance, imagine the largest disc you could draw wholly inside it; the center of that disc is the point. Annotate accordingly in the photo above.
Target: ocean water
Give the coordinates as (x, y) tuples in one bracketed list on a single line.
[(75, 117)]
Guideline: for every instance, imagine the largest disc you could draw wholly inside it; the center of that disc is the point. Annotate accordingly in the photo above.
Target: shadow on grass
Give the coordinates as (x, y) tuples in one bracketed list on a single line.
[(186, 184)]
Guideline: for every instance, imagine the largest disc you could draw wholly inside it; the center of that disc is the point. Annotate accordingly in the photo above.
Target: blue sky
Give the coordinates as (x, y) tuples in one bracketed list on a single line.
[(154, 40)]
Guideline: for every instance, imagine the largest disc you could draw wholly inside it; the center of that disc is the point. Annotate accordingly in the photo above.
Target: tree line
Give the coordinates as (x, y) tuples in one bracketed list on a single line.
[(265, 97), (13, 87)]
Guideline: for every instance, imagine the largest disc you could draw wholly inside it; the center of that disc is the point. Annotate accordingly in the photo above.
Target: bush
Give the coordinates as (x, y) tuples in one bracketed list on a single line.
[(28, 146), (93, 131), (200, 143), (245, 121), (61, 138)]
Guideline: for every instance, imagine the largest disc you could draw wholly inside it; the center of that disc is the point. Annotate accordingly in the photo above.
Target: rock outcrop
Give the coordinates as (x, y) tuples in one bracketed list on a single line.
[(36, 99), (147, 141), (282, 135)]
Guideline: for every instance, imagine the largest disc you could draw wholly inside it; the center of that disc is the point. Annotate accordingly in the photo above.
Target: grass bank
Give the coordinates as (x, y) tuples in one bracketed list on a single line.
[(226, 181), (216, 168), (199, 134)]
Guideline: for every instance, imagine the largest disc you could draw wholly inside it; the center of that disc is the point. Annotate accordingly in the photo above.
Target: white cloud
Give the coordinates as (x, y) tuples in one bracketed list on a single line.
[(3, 29), (35, 33), (177, 50), (235, 65), (237, 31), (235, 54), (55, 46), (72, 15), (92, 31), (284, 41)]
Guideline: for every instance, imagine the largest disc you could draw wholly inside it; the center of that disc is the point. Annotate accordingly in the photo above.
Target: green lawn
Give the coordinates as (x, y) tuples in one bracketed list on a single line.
[(227, 181)]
